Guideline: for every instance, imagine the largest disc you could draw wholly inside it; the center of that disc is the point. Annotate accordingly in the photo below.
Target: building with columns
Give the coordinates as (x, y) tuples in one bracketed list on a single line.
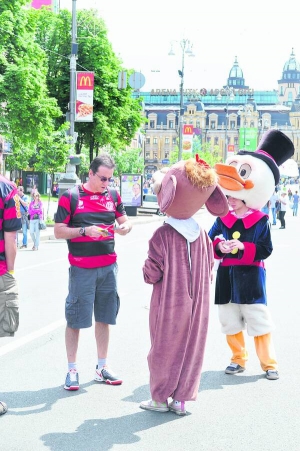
[(231, 117)]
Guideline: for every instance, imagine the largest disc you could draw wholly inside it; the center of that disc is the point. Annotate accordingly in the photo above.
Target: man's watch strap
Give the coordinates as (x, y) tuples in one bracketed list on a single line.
[(82, 231)]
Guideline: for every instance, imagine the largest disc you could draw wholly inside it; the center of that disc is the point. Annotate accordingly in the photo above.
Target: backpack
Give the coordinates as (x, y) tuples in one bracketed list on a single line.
[(74, 197)]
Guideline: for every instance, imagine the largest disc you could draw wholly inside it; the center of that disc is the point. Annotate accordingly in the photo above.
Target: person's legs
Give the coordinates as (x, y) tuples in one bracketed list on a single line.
[(72, 340), (266, 354), (31, 230), (24, 231), (102, 339), (283, 219), (274, 215), (37, 234), (106, 309), (236, 343)]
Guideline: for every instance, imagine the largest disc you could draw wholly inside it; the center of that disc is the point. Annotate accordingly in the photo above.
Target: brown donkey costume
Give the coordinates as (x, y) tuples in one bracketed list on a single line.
[(179, 266)]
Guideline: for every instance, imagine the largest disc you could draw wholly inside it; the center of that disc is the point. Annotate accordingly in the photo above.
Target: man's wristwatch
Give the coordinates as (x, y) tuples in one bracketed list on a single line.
[(82, 231)]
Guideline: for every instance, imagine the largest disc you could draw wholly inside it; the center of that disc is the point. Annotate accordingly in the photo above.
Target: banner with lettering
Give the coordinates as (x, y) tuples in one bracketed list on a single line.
[(187, 138), (84, 96)]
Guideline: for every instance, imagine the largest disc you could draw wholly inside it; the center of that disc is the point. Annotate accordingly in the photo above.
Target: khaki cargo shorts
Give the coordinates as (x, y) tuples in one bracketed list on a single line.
[(9, 305)]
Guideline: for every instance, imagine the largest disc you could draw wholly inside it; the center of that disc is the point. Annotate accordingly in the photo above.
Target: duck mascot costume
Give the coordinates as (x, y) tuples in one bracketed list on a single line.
[(179, 266), (242, 241)]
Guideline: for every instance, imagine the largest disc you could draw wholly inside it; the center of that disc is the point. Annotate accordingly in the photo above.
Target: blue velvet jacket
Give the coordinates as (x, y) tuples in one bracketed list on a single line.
[(241, 277)]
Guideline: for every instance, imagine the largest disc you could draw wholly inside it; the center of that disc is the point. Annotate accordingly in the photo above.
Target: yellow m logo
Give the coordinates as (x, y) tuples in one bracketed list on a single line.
[(85, 81)]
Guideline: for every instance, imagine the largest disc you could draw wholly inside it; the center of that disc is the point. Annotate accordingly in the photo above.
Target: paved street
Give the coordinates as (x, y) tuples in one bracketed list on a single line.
[(243, 412)]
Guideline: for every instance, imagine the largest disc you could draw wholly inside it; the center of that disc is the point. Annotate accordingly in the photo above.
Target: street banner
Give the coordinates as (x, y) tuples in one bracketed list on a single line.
[(187, 138), (84, 96), (248, 138)]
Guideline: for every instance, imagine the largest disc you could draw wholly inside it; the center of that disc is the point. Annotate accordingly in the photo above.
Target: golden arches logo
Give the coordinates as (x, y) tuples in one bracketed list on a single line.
[(188, 130), (85, 81)]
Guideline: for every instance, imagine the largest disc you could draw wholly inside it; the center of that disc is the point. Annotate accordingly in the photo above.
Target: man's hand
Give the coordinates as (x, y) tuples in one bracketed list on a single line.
[(123, 229)]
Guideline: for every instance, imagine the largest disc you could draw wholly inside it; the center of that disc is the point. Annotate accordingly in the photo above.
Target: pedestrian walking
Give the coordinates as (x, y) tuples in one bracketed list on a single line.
[(242, 241), (9, 225), (85, 218), (283, 208), (36, 213), (24, 216), (295, 203), (179, 266)]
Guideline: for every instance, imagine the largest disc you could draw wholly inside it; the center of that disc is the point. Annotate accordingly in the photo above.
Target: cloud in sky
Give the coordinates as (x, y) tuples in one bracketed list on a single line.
[(261, 36)]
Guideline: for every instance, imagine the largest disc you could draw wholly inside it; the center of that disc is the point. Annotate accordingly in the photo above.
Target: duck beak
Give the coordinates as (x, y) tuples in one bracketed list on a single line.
[(230, 179)]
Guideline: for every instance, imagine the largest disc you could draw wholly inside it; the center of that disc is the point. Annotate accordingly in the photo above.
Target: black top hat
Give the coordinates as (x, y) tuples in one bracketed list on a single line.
[(274, 149)]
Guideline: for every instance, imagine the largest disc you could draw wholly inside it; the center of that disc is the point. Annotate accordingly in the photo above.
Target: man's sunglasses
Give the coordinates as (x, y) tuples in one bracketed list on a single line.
[(104, 179)]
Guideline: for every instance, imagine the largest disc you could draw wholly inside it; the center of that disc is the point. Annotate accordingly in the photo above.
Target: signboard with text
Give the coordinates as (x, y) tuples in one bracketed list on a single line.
[(84, 96), (248, 138)]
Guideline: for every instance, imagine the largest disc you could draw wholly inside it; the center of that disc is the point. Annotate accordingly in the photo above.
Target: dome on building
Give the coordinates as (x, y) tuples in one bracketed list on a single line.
[(292, 64), (236, 77)]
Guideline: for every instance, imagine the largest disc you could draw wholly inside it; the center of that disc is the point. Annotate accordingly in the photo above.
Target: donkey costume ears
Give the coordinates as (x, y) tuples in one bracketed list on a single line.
[(184, 188)]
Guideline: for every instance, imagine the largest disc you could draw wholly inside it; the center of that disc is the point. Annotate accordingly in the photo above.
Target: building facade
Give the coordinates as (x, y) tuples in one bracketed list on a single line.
[(228, 119)]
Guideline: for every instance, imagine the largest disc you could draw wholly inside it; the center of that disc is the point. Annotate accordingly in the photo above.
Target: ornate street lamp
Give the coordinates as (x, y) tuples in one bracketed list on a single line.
[(186, 48)]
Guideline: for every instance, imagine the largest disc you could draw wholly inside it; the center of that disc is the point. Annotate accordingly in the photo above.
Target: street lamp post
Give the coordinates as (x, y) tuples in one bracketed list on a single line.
[(186, 48), (229, 96)]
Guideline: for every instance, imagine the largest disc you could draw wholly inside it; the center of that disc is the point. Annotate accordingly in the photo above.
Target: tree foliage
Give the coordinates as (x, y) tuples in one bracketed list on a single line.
[(28, 112), (117, 115)]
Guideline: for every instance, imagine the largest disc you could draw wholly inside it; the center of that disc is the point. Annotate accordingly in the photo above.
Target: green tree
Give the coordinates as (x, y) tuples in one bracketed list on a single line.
[(206, 153), (28, 112), (117, 115), (129, 161)]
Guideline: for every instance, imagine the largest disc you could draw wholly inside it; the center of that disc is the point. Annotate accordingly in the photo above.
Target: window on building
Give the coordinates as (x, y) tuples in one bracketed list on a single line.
[(232, 125), (171, 124), (154, 140), (174, 141), (213, 124), (166, 154), (251, 124), (197, 124), (147, 140), (155, 155), (147, 155), (236, 140), (167, 140), (152, 124), (216, 140), (208, 139)]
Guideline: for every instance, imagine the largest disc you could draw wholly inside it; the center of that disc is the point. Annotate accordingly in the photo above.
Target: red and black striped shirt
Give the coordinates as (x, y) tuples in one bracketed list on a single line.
[(92, 209), (10, 216)]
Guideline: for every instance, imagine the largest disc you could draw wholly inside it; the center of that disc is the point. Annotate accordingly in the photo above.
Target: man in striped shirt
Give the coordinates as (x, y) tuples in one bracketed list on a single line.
[(89, 230), (10, 223)]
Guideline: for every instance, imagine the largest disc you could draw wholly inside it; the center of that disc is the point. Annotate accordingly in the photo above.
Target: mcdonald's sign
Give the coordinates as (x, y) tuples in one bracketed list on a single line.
[(84, 96), (188, 129), (85, 80)]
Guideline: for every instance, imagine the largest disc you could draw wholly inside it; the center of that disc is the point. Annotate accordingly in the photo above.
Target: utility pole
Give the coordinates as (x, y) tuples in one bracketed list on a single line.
[(70, 178), (74, 50)]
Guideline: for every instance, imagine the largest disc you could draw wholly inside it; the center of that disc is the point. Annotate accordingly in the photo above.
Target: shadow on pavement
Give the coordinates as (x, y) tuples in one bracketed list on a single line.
[(32, 402), (99, 434), (215, 380)]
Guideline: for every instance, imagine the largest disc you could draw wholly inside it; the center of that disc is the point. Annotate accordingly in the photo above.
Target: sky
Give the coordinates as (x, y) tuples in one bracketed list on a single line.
[(258, 33)]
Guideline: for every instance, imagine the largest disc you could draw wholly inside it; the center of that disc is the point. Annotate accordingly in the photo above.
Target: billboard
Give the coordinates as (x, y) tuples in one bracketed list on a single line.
[(248, 138), (131, 190), (84, 96)]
